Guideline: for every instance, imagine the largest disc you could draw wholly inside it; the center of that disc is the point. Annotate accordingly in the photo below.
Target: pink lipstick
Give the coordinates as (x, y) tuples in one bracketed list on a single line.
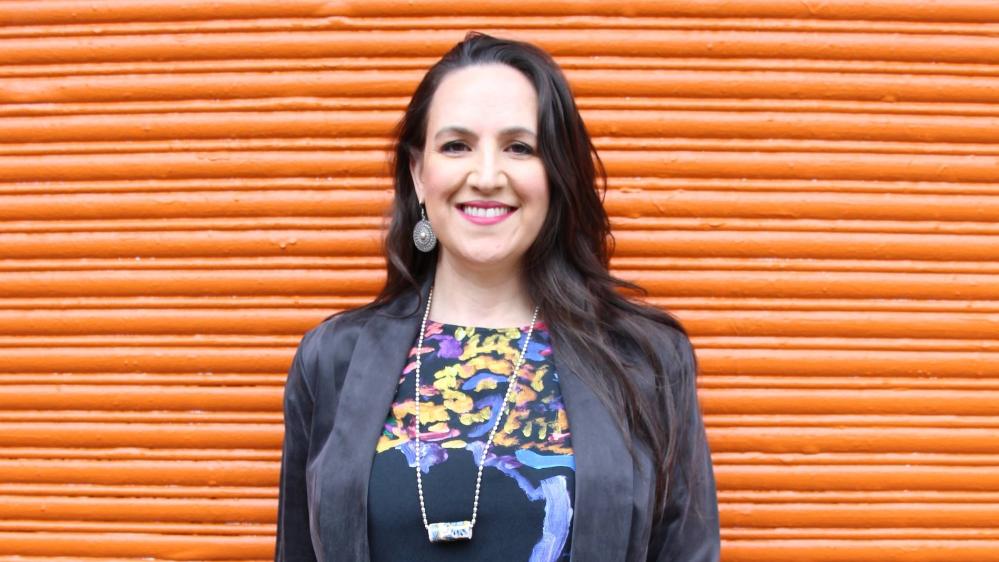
[(485, 212)]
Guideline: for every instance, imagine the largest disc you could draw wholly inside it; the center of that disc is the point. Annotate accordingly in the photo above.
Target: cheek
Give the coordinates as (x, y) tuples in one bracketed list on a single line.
[(534, 192), (441, 175)]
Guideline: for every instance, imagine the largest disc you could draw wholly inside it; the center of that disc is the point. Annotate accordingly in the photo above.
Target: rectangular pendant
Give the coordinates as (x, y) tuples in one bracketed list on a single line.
[(450, 531)]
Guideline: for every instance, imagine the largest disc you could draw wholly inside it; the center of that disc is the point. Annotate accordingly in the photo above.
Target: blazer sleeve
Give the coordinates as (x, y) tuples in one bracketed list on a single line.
[(690, 530), (294, 541)]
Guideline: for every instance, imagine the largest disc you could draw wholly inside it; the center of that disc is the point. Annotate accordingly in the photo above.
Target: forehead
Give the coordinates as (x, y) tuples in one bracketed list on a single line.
[(484, 98)]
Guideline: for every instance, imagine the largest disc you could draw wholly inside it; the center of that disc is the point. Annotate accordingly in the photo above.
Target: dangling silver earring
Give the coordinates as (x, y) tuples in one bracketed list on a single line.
[(423, 235)]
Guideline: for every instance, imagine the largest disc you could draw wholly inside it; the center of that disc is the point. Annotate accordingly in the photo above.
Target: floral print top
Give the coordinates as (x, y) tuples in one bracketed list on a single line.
[(526, 496)]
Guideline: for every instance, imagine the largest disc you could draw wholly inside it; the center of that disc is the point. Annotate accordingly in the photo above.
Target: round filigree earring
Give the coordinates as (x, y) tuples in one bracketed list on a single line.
[(423, 236)]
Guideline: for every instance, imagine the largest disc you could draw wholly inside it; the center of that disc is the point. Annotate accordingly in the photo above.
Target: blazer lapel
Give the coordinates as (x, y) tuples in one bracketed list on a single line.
[(601, 516), (368, 390)]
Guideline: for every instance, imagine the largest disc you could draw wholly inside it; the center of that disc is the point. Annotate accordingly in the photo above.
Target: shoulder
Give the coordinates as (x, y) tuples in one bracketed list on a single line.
[(668, 329), (661, 333), (329, 340)]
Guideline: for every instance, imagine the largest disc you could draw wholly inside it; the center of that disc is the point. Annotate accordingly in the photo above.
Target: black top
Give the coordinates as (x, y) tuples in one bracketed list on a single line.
[(526, 496)]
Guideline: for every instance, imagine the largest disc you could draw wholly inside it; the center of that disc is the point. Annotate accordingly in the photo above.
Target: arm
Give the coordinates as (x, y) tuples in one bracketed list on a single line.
[(294, 542), (690, 528)]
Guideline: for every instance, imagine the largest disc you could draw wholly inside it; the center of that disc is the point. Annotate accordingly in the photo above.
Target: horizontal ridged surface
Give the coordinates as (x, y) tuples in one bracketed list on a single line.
[(813, 188)]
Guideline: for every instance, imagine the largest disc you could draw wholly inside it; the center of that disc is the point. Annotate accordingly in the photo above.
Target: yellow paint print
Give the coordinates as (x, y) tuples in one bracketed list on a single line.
[(465, 376)]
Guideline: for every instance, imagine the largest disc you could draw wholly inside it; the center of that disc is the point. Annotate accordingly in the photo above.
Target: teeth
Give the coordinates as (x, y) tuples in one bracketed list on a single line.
[(490, 212)]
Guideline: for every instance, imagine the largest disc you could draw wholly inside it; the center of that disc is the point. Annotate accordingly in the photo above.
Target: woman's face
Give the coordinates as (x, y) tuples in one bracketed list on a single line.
[(480, 177)]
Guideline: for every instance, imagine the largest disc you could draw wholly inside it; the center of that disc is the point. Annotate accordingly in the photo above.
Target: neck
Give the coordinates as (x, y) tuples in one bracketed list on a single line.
[(490, 297)]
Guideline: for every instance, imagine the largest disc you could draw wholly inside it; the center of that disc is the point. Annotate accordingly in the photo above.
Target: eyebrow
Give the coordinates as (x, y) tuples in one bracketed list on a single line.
[(509, 131)]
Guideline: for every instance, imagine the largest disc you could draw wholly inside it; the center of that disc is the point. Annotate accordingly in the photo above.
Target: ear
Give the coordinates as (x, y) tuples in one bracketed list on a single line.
[(415, 169)]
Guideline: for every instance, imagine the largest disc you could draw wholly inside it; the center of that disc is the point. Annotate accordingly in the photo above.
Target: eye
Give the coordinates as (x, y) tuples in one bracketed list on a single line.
[(524, 148), (452, 144)]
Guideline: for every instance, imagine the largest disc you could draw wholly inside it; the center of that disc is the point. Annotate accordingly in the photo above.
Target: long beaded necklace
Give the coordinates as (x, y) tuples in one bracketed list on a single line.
[(459, 530)]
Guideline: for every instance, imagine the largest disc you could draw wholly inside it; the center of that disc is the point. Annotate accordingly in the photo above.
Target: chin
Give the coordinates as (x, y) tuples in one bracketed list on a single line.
[(487, 261)]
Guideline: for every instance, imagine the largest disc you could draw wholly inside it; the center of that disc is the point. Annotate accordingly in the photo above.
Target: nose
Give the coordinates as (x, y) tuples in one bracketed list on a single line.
[(485, 175)]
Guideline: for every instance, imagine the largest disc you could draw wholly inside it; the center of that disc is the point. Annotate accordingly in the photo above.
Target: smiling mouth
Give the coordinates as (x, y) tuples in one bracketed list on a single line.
[(484, 212)]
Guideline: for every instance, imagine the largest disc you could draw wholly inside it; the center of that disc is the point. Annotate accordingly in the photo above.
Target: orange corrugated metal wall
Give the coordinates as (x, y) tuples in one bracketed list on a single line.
[(812, 187)]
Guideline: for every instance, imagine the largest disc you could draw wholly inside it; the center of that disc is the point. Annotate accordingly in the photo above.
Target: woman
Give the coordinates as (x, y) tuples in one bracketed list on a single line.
[(557, 417)]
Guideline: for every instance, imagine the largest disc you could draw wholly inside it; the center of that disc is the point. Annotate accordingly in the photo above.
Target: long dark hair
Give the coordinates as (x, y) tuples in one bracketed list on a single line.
[(567, 265)]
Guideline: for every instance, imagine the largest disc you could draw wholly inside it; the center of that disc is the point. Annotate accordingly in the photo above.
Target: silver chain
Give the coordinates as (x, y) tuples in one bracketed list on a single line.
[(512, 383)]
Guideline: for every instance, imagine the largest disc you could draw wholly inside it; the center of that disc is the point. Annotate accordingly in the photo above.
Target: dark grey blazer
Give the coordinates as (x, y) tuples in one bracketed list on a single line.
[(339, 389)]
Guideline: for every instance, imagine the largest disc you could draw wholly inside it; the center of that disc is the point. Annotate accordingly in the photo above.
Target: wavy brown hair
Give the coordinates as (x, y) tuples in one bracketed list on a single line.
[(567, 266)]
